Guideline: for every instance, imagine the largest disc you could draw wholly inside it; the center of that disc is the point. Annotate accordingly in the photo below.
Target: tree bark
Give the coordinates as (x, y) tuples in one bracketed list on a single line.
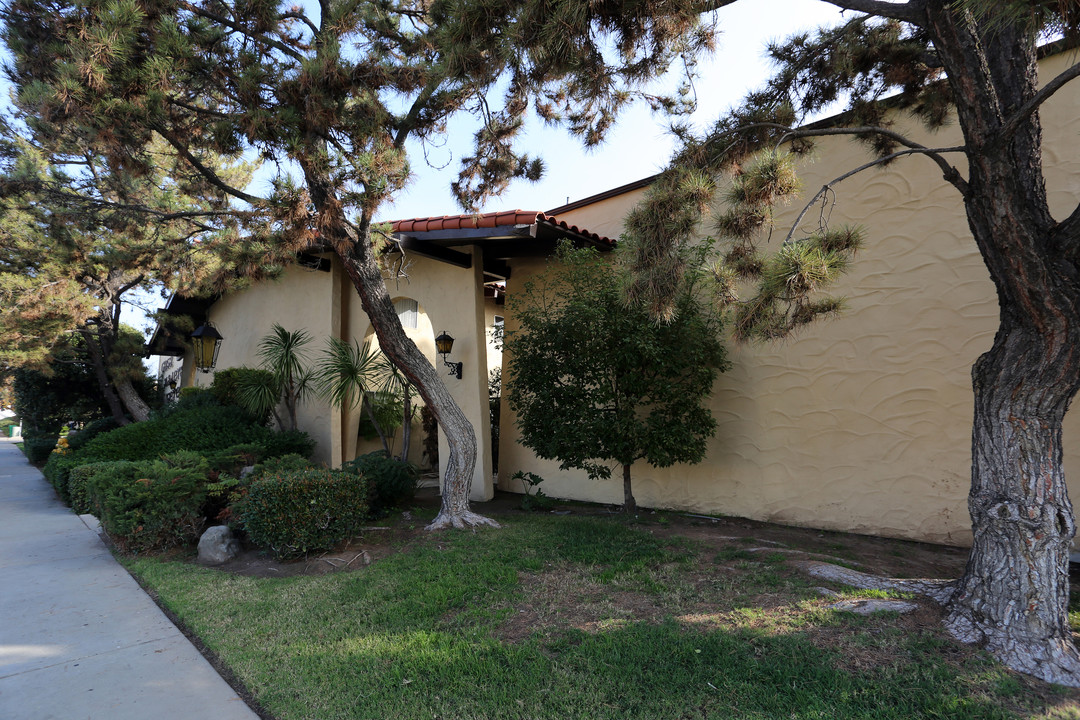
[(629, 503), (102, 375), (135, 405), (353, 248), (1014, 594), (1013, 597)]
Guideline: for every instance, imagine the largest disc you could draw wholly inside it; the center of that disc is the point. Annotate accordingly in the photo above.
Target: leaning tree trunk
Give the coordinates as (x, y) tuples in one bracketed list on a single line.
[(135, 405), (354, 249), (1013, 597), (458, 431), (101, 373)]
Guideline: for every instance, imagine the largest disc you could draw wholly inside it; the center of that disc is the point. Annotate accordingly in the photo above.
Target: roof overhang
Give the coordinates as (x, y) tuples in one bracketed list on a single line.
[(168, 338), (501, 236)]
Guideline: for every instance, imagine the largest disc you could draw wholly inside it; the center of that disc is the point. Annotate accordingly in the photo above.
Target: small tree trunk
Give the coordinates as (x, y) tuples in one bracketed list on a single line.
[(1021, 515), (369, 406), (629, 503), (135, 405), (406, 423)]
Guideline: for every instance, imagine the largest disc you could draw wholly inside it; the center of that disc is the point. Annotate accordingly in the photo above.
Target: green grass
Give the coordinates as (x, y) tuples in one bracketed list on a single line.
[(618, 624)]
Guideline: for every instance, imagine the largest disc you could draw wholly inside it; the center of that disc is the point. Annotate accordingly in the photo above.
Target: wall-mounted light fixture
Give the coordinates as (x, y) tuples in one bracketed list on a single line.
[(206, 341), (444, 344)]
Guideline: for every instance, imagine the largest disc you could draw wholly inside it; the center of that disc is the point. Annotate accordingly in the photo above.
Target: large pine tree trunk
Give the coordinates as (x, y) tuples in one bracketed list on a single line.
[(1013, 596), (1015, 590), (353, 248)]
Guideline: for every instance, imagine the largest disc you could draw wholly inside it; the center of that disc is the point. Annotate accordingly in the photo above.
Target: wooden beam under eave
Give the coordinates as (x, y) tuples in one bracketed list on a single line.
[(435, 252)]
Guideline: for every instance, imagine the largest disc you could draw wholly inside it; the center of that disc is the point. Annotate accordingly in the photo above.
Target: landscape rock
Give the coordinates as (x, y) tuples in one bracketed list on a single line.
[(217, 545), (246, 470)]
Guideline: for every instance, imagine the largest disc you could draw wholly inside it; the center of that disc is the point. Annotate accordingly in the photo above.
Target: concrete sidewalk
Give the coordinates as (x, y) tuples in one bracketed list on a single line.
[(78, 637)]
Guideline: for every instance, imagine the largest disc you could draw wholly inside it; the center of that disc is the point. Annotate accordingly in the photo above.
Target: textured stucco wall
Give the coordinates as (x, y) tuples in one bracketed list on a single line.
[(302, 299), (861, 423)]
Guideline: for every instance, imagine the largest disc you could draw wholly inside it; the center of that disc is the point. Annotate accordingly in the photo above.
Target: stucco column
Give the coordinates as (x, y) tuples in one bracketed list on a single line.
[(468, 329)]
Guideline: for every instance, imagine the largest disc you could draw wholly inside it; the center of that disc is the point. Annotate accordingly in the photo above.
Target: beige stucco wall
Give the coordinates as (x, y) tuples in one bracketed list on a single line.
[(860, 423), (302, 299)]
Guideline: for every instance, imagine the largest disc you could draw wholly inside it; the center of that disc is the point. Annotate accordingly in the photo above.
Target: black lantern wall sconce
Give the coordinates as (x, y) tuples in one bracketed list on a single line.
[(444, 344), (206, 341)]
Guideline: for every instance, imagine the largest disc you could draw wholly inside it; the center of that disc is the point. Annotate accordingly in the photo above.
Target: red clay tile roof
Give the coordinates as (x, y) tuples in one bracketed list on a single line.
[(492, 220)]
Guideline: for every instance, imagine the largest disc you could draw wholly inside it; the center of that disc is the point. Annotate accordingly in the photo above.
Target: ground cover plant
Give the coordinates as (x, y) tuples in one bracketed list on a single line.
[(590, 617)]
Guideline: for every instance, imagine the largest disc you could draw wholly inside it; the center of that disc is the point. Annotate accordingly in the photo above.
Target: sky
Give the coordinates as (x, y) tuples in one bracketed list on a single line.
[(639, 145)]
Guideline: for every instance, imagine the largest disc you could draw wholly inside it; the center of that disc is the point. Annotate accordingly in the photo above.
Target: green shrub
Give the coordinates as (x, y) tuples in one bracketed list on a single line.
[(78, 481), (293, 513), (151, 505), (38, 447), (393, 481), (282, 464), (202, 427), (8, 422), (77, 440), (287, 442), (57, 470)]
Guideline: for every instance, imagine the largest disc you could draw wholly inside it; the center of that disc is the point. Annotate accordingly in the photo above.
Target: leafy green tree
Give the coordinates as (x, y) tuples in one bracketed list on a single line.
[(974, 62), (593, 381), (331, 93)]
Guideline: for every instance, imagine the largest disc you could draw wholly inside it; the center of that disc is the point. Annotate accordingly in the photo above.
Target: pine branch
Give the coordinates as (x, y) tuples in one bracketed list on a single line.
[(1044, 94), (827, 187), (236, 27), (911, 12), (210, 175), (950, 173)]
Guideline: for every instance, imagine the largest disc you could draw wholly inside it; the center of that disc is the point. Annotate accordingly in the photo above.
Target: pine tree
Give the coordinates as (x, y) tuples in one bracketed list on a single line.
[(979, 60), (78, 238), (331, 93)]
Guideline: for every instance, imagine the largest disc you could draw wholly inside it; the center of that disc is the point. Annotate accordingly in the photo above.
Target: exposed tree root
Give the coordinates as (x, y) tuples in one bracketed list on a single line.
[(1049, 659), (1053, 660), (460, 521), (937, 590)]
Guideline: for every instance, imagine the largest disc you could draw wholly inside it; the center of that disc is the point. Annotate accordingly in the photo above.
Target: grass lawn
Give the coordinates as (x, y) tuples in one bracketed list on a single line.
[(581, 617)]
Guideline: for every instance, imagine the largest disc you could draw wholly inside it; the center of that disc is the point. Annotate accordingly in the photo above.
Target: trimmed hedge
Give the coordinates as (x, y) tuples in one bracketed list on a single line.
[(293, 513), (57, 470), (78, 481), (77, 440), (394, 481), (150, 505), (38, 447), (203, 427)]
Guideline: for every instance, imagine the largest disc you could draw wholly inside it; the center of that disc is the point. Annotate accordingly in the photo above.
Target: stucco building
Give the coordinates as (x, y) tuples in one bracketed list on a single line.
[(860, 423)]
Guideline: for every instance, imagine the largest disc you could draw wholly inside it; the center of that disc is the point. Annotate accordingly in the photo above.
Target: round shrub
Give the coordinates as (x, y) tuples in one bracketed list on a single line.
[(394, 481), (293, 513), (150, 505)]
